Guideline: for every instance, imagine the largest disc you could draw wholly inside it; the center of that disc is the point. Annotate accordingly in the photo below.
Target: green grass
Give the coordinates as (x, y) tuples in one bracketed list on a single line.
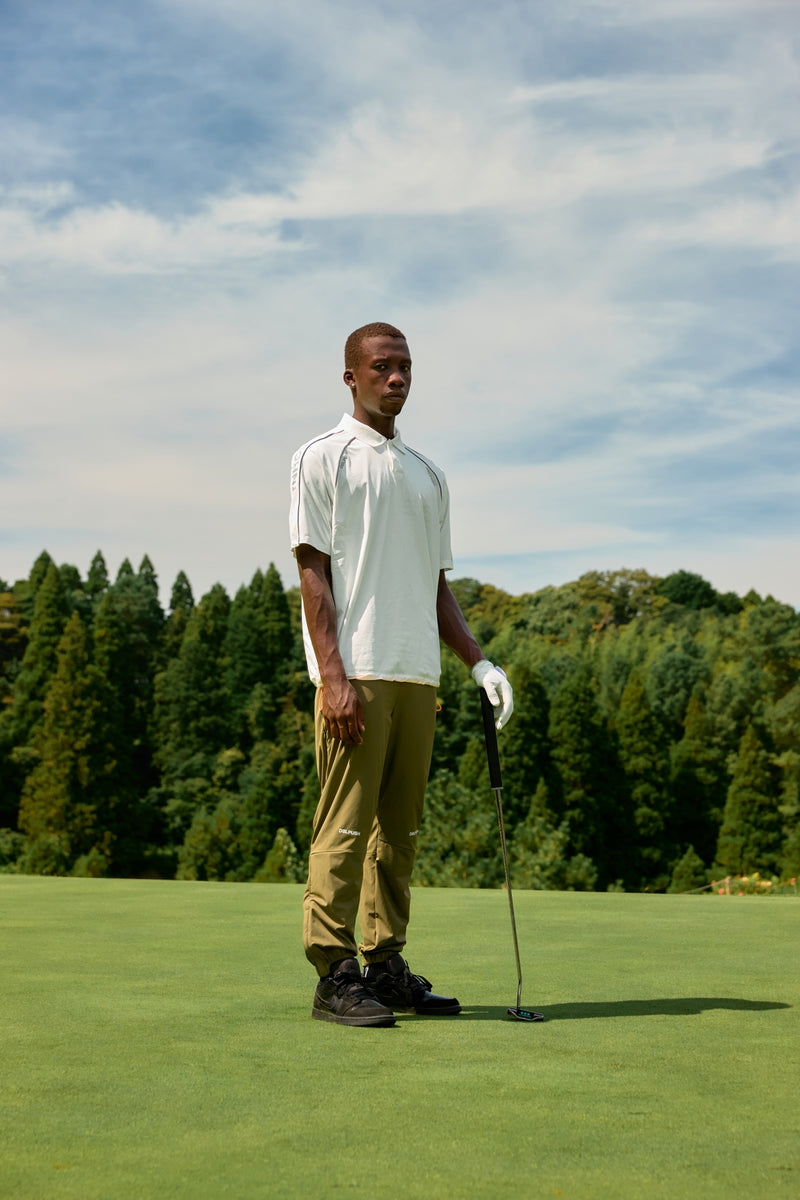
[(157, 1042)]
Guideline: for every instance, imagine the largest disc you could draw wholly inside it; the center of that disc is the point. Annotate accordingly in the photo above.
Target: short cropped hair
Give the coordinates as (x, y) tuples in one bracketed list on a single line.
[(352, 347)]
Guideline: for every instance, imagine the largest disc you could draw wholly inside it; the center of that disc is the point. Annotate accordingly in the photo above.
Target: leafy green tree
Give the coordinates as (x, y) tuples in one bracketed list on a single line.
[(770, 636), (282, 864), (12, 845), (618, 597), (632, 695), (688, 589), (210, 850), (458, 716), (750, 837), (459, 846), (672, 677)]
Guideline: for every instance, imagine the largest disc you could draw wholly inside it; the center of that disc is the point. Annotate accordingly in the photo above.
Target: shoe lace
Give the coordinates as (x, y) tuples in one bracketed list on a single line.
[(406, 981), (354, 988)]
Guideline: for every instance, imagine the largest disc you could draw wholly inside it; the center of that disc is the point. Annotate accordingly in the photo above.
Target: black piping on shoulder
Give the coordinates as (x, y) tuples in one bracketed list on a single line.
[(429, 468), (345, 448), (322, 438)]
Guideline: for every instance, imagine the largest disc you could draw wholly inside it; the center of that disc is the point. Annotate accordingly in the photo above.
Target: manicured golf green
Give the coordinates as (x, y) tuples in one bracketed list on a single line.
[(157, 1042)]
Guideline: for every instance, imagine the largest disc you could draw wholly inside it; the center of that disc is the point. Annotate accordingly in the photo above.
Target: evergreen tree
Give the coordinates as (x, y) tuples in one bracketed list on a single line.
[(643, 752), (181, 606), (135, 599), (790, 852), (38, 664), (244, 655), (783, 722), (750, 837), (699, 780), (60, 810), (191, 704), (97, 581), (630, 698), (524, 744), (276, 630), (580, 752), (539, 856), (688, 874), (29, 589), (126, 637), (13, 639), (75, 593)]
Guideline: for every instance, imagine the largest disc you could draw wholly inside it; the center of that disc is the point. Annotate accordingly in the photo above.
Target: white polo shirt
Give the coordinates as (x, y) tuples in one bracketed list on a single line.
[(382, 512)]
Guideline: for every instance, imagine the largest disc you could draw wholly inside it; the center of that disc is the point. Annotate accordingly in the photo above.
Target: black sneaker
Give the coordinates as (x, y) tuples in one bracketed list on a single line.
[(343, 998), (397, 988)]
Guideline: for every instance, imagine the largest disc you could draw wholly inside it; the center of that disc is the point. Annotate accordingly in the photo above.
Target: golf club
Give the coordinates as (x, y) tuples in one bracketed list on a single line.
[(496, 781)]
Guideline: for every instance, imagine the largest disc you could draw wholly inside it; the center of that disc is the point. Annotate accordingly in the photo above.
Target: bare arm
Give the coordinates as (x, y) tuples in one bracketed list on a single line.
[(341, 708), (453, 628)]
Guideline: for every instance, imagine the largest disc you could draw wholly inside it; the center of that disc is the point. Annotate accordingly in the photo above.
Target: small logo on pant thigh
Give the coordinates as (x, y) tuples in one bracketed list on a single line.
[(351, 832), (414, 833)]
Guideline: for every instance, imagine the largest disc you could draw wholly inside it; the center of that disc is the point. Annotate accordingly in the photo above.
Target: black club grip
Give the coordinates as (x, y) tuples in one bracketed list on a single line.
[(490, 734)]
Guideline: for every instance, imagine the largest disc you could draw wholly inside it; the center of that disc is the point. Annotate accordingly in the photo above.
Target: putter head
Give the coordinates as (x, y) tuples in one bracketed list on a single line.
[(525, 1014)]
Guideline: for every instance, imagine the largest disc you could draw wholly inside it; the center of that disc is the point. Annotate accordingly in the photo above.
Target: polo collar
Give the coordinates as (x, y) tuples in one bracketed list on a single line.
[(365, 433)]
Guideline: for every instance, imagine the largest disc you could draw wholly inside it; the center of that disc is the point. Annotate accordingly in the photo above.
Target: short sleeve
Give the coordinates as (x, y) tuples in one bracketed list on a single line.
[(445, 549), (311, 502)]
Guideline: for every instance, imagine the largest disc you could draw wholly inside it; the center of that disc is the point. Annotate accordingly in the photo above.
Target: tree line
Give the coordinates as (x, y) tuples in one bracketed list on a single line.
[(655, 740)]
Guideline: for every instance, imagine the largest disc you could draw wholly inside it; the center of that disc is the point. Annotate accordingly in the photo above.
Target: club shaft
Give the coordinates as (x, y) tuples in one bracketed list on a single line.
[(498, 792)]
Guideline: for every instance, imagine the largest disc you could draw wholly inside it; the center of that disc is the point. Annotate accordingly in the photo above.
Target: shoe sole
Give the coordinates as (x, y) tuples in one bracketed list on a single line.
[(453, 1011), (319, 1014)]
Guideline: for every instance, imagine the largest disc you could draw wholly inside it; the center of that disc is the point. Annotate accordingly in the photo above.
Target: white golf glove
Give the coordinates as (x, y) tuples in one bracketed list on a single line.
[(493, 681)]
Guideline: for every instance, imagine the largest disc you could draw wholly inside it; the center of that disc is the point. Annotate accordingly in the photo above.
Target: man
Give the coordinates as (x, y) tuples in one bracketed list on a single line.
[(371, 535)]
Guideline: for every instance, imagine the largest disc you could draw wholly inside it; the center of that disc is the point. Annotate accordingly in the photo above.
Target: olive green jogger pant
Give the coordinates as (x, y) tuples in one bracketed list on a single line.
[(367, 823)]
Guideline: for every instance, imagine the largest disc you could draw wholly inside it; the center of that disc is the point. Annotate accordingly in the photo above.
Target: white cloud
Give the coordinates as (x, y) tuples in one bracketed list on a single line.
[(771, 223), (528, 231)]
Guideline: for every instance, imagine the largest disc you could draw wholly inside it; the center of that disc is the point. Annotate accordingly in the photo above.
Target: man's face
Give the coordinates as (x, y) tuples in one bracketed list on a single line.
[(381, 382)]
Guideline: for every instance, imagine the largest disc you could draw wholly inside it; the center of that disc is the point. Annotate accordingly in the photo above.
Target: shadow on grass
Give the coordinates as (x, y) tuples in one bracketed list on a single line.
[(586, 1010)]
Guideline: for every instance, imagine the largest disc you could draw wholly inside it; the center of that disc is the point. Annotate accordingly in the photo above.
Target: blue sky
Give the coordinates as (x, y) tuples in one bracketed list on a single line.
[(584, 215)]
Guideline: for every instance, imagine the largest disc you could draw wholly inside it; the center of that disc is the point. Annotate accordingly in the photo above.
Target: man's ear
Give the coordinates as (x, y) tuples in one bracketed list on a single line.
[(349, 379)]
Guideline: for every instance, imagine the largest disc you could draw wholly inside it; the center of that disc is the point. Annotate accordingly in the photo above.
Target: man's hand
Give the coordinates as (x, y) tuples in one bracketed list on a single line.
[(342, 712), (493, 681)]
